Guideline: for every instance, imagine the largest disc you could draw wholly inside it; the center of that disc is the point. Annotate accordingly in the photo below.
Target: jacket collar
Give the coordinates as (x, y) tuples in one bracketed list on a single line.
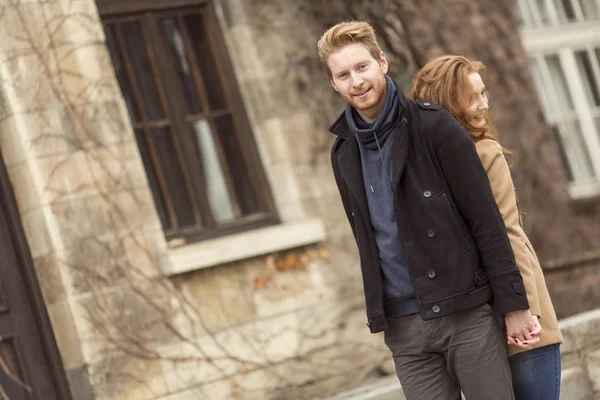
[(340, 126)]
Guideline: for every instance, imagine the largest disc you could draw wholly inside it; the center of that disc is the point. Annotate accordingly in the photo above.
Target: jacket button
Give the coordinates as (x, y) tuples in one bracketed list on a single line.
[(426, 104), (431, 274), (435, 309), (427, 193), (431, 233)]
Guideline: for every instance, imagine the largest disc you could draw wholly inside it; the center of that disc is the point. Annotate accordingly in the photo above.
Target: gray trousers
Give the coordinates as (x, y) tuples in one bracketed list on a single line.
[(436, 359)]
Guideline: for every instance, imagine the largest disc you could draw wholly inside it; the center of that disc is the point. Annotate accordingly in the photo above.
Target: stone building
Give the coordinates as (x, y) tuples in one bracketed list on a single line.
[(171, 226)]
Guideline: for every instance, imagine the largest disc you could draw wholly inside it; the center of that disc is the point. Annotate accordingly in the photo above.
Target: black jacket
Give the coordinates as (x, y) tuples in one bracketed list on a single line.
[(453, 234)]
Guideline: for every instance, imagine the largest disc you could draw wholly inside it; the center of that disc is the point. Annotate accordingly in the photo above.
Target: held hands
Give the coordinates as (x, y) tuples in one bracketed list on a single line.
[(522, 329)]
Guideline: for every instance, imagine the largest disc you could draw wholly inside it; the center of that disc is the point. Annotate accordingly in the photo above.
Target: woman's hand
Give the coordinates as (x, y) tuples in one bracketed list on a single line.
[(522, 329)]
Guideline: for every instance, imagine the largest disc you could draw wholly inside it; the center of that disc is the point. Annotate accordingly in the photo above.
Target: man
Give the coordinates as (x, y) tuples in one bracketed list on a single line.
[(432, 243)]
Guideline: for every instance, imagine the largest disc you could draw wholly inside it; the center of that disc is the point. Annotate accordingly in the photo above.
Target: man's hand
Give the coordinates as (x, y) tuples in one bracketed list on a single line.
[(522, 329)]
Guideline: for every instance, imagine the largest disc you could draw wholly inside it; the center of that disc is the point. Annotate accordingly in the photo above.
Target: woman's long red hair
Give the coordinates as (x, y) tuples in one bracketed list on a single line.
[(445, 81)]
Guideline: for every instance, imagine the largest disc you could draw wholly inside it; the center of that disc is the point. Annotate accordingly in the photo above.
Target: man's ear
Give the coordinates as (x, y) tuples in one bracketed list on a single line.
[(333, 84), (383, 63)]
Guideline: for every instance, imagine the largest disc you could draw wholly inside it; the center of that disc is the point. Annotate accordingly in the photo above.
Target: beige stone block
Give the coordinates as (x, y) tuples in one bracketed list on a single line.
[(50, 278), (221, 296), (299, 132), (69, 220), (104, 121), (272, 141), (36, 231), (24, 187), (285, 292), (593, 368), (87, 73), (127, 377), (97, 264), (61, 178), (213, 391), (284, 183), (94, 264), (49, 132), (11, 142), (258, 111), (125, 211), (132, 319), (187, 365), (68, 128), (575, 385), (292, 211), (27, 84), (580, 331), (73, 21), (275, 340), (116, 168), (67, 338), (21, 23), (231, 13), (145, 252), (245, 54)]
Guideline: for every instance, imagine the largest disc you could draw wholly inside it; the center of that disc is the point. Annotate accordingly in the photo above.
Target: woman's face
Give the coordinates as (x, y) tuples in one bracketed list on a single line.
[(478, 102)]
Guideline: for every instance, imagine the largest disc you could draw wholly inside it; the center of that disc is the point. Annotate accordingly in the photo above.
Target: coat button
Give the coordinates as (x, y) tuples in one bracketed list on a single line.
[(431, 233), (435, 309), (427, 193), (431, 274), (426, 103)]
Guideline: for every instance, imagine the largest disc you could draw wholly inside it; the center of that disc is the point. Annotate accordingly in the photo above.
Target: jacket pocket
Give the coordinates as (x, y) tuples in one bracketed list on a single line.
[(451, 218)]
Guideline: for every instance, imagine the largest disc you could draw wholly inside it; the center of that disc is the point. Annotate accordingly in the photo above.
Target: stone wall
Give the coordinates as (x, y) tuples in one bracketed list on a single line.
[(258, 328), (580, 355)]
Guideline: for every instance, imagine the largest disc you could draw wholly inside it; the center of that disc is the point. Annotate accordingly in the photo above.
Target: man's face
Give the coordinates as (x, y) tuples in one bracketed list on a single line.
[(359, 78)]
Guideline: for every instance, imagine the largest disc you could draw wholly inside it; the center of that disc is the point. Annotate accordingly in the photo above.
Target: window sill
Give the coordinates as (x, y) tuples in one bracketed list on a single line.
[(584, 191), (244, 245)]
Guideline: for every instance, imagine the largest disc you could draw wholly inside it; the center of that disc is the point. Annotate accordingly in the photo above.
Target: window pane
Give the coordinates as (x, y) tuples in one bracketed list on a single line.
[(559, 82), (173, 175), (216, 186), (589, 9), (523, 14), (589, 79), (576, 152), (174, 40), (565, 9), (241, 175), (152, 179), (206, 61), (540, 10), (136, 53), (124, 84), (542, 89)]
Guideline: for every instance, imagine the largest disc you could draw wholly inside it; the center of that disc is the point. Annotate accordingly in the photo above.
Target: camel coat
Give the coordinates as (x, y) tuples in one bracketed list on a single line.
[(498, 172)]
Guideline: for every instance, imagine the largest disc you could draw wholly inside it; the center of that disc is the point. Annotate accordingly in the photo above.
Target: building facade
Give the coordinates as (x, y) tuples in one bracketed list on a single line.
[(170, 207)]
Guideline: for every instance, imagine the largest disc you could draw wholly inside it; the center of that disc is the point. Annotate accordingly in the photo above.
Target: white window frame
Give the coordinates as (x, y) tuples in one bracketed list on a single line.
[(531, 15), (564, 41)]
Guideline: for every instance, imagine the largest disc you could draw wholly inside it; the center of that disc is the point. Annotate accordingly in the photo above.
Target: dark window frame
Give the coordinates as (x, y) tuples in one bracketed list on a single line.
[(186, 153)]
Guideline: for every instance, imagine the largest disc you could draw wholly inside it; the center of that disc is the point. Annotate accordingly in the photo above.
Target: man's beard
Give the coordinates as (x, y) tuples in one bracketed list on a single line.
[(372, 102)]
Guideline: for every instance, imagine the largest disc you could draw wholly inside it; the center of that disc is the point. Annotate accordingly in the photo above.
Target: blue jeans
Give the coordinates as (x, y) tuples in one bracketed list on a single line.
[(536, 373)]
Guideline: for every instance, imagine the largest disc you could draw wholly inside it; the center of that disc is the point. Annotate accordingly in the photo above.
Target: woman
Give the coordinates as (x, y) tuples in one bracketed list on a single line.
[(454, 82)]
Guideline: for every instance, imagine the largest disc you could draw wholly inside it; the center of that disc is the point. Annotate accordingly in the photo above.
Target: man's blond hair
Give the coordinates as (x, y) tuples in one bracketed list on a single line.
[(346, 33)]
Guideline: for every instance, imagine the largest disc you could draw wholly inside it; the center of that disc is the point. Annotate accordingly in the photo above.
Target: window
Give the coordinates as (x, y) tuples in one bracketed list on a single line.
[(539, 13), (193, 134), (562, 40)]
